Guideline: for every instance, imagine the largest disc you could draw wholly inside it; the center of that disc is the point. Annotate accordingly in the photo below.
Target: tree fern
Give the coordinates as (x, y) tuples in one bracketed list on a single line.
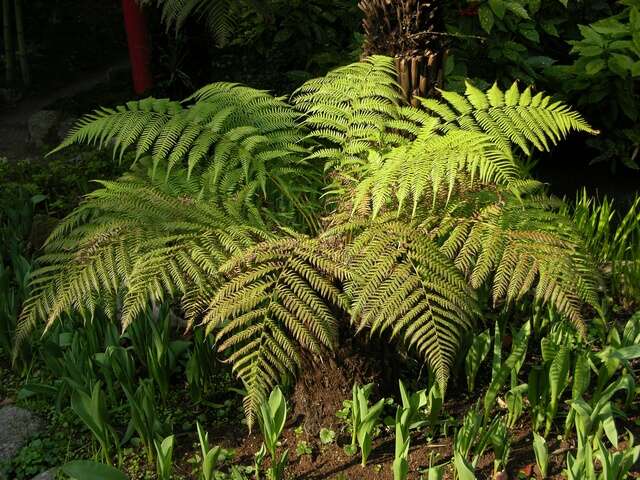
[(209, 219)]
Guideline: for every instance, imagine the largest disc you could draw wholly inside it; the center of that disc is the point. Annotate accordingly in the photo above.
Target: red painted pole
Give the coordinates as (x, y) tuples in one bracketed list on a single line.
[(139, 46)]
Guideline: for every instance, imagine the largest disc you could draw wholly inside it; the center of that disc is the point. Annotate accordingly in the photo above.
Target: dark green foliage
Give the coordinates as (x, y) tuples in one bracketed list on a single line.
[(589, 54)]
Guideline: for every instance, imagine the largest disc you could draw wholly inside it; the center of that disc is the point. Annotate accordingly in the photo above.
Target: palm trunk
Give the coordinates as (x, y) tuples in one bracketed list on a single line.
[(22, 49), (411, 32), (8, 43)]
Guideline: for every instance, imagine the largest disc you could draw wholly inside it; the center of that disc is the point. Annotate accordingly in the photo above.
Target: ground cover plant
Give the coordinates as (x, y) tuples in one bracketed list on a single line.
[(343, 282)]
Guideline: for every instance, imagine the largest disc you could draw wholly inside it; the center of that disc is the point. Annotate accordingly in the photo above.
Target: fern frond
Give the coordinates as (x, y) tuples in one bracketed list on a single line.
[(137, 241), (519, 246), (404, 287), (276, 306), (512, 117), (235, 136), (420, 169), (348, 110)]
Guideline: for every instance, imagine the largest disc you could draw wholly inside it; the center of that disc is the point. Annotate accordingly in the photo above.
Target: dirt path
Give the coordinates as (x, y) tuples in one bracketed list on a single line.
[(14, 133)]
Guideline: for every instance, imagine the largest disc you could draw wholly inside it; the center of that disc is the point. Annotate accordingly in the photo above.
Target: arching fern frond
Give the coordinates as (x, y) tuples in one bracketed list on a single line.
[(418, 171), (461, 139), (276, 306), (348, 109), (511, 117), (136, 242), (405, 288), (236, 136), (521, 246)]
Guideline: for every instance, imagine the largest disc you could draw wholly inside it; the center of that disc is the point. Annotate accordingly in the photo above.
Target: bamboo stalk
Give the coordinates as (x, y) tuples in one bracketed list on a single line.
[(22, 49), (8, 43)]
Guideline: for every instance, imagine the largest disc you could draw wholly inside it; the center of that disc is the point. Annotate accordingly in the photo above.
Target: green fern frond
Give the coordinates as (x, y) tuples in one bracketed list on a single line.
[(276, 306), (404, 287), (348, 110), (235, 136), (511, 117), (137, 242), (518, 246), (433, 162)]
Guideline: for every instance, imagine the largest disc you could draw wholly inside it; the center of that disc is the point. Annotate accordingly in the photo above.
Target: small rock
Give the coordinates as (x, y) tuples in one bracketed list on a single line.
[(48, 475), (43, 127), (17, 425)]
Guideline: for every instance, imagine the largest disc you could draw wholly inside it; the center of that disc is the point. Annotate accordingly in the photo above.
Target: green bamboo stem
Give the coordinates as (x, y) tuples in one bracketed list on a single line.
[(22, 49), (8, 43)]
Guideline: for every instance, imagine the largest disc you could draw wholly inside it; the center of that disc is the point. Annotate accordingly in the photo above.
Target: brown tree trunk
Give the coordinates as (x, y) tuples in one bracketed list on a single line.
[(411, 31)]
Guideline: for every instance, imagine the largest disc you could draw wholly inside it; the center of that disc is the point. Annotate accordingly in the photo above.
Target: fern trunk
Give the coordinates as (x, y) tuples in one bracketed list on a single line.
[(410, 31)]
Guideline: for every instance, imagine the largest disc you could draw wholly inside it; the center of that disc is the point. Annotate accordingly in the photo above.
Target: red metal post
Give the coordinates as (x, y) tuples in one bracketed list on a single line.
[(139, 46)]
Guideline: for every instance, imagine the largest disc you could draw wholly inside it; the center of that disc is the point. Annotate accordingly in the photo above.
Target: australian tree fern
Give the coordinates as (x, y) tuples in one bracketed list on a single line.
[(218, 217)]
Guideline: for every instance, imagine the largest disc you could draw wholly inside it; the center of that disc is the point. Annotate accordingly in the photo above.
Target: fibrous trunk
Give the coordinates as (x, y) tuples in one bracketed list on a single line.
[(411, 31)]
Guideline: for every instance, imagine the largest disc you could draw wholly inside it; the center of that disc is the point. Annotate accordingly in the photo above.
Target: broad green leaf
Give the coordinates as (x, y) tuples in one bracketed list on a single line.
[(528, 30), (620, 64), (478, 351), (463, 468), (608, 424), (400, 469), (541, 452), (594, 66), (518, 351), (518, 9), (485, 15), (581, 376), (89, 470), (435, 473), (627, 353), (498, 7)]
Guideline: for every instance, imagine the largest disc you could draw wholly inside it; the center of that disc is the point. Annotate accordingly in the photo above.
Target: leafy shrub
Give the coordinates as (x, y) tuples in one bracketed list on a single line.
[(604, 80), (588, 54), (60, 181)]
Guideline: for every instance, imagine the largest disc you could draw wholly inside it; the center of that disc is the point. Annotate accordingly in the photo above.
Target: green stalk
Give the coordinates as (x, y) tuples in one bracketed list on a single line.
[(21, 50), (8, 43)]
